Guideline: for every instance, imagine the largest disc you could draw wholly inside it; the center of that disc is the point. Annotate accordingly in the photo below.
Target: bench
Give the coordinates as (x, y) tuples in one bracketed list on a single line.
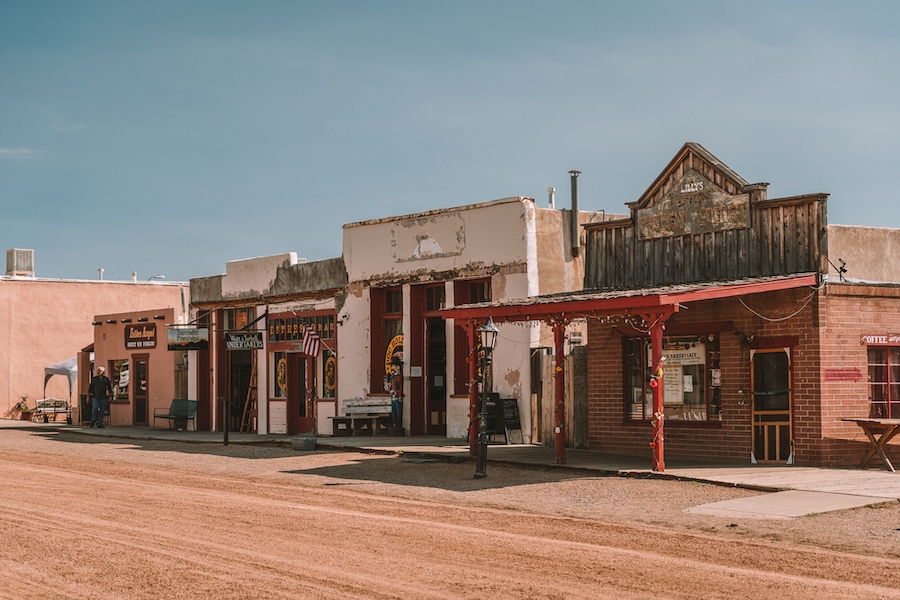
[(45, 407), (179, 412), (363, 416)]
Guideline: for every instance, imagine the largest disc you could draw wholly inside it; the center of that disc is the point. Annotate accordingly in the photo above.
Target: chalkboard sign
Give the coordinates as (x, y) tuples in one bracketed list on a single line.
[(511, 413), (493, 416)]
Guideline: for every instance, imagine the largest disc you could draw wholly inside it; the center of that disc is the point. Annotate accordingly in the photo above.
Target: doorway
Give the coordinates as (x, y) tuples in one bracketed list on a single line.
[(770, 372), (300, 416), (140, 386), (436, 386)]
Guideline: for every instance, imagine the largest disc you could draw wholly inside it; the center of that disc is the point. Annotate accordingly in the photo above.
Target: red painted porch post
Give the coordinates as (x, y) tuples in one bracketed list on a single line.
[(656, 339), (559, 335)]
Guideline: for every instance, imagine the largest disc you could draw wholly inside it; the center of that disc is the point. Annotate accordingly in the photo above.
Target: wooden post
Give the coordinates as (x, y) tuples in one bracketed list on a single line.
[(559, 372), (656, 338)]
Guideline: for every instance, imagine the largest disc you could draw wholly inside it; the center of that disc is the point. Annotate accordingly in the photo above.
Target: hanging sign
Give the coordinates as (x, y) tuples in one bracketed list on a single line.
[(187, 338), (244, 341)]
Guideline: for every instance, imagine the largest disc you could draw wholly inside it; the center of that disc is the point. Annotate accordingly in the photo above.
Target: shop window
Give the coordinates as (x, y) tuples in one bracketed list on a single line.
[(120, 376), (329, 374), (884, 382), (690, 378), (387, 334), (278, 381)]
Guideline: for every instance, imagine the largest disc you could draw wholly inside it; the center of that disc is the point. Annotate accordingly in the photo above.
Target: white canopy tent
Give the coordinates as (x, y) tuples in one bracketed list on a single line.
[(69, 368)]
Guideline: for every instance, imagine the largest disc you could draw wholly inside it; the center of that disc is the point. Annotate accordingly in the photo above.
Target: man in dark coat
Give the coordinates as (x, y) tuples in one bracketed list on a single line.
[(100, 390)]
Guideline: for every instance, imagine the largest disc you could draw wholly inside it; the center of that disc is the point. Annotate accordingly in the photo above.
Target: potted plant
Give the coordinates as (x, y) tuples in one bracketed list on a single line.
[(25, 413)]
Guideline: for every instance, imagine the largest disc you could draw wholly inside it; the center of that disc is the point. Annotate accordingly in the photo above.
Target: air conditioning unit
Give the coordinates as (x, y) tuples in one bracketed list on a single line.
[(20, 263)]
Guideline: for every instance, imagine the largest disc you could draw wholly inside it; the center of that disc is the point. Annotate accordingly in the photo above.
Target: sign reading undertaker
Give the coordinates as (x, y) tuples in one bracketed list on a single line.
[(693, 206)]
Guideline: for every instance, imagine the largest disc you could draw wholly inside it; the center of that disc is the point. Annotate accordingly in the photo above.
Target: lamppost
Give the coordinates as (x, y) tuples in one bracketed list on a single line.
[(488, 338)]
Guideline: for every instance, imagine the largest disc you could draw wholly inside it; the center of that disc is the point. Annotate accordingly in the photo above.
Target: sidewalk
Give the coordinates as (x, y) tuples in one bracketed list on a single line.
[(795, 491)]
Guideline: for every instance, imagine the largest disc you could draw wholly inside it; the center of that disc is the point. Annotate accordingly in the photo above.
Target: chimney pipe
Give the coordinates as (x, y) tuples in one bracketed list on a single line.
[(551, 193), (100, 272), (573, 223)]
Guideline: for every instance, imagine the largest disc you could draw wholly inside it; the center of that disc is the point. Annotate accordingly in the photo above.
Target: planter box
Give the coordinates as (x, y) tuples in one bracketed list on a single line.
[(303, 443), (25, 416)]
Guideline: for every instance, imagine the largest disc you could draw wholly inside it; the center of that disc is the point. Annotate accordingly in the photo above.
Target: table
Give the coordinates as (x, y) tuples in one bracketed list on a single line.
[(888, 428)]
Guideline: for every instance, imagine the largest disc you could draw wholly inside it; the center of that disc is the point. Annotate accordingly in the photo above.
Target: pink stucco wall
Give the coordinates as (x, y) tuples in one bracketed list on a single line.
[(46, 321)]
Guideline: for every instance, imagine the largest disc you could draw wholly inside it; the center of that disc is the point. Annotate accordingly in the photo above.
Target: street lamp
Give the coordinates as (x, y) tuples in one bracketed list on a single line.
[(488, 338)]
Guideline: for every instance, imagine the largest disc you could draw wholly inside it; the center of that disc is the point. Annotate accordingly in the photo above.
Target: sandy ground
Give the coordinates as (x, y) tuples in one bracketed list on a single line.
[(88, 517)]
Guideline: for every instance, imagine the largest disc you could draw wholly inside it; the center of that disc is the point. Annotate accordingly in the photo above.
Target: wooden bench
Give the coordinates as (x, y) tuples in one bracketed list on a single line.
[(363, 416), (45, 407), (179, 412)]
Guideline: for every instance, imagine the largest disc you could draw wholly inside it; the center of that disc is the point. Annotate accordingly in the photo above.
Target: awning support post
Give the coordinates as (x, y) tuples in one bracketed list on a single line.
[(559, 373), (657, 322)]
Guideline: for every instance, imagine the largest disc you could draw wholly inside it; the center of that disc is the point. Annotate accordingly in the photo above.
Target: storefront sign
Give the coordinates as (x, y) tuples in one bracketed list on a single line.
[(187, 338), (244, 341), (140, 336), (693, 206), (888, 339)]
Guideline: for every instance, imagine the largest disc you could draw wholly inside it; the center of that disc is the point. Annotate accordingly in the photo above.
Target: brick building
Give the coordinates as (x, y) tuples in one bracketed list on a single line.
[(726, 325)]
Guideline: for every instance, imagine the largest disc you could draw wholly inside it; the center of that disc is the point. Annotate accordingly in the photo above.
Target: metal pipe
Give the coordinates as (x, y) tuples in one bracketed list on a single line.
[(573, 222)]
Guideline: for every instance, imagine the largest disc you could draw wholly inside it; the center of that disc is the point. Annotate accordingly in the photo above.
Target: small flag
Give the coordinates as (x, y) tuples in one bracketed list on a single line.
[(311, 341)]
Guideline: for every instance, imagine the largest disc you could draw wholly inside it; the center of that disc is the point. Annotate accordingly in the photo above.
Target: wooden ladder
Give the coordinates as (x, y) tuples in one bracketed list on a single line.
[(249, 403)]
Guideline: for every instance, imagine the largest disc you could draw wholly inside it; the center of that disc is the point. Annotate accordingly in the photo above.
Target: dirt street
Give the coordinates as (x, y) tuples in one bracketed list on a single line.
[(90, 517)]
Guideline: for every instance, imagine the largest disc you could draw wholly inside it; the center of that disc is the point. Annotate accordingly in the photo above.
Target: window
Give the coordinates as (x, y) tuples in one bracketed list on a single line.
[(387, 334), (690, 378), (278, 382), (434, 298), (120, 378), (884, 382)]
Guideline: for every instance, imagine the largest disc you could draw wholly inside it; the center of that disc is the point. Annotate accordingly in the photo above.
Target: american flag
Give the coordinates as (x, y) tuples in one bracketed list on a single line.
[(311, 341)]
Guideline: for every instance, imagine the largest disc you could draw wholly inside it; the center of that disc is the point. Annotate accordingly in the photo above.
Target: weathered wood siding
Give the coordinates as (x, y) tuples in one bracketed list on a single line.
[(786, 235)]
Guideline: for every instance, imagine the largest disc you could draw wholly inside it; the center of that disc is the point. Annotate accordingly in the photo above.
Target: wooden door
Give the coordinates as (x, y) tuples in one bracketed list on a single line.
[(140, 383), (771, 376), (300, 416)]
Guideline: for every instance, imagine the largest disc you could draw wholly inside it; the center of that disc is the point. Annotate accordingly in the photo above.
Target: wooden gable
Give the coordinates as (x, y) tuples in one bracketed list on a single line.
[(700, 221)]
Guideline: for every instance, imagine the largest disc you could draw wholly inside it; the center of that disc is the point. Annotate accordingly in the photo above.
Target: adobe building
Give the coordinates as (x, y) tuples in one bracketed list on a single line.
[(726, 325), (273, 330), (48, 321), (146, 372)]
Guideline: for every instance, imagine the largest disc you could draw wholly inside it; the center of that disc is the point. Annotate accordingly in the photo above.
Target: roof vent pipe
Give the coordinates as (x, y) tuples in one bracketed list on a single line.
[(551, 193), (573, 219)]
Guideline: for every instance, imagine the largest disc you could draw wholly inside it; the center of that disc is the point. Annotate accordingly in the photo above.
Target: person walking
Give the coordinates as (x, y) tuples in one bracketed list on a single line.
[(99, 391)]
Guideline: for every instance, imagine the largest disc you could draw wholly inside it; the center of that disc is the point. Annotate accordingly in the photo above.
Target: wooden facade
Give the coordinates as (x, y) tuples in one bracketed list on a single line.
[(700, 221)]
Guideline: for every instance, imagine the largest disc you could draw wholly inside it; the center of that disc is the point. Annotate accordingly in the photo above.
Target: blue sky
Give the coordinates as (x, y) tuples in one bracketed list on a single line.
[(168, 137)]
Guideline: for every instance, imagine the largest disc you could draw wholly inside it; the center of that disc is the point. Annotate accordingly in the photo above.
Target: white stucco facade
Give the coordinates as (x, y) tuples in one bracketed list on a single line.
[(519, 248)]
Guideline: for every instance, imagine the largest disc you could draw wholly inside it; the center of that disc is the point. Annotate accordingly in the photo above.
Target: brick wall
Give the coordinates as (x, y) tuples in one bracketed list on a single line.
[(731, 438), (829, 371)]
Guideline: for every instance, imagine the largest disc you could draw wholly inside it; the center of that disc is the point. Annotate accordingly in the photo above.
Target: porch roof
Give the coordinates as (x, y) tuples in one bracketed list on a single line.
[(570, 305)]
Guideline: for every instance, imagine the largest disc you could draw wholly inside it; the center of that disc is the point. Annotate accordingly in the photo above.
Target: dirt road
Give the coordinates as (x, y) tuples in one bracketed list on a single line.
[(86, 517)]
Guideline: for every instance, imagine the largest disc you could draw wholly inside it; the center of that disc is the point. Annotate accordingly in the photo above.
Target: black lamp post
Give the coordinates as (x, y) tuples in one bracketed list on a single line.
[(488, 338)]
